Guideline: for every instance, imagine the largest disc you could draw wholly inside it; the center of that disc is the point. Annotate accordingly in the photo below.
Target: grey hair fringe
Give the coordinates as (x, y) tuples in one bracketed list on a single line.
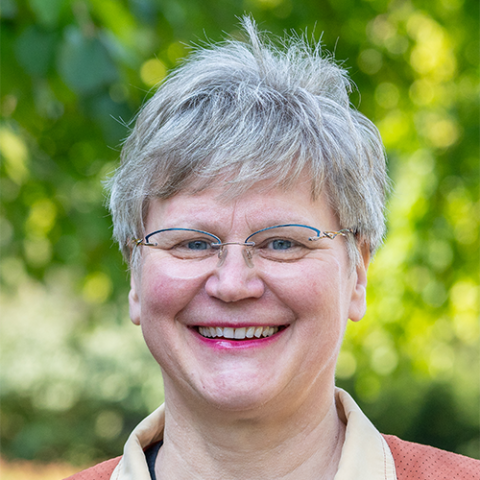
[(251, 111)]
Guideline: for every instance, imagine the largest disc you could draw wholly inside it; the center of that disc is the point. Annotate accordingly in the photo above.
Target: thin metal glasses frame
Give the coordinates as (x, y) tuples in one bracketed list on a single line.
[(319, 234)]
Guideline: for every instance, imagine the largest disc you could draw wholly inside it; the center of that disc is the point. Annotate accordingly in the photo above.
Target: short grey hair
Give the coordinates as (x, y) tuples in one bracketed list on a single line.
[(247, 112)]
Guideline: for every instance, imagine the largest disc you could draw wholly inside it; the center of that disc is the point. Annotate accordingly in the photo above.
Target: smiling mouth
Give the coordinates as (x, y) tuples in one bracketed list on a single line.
[(241, 333)]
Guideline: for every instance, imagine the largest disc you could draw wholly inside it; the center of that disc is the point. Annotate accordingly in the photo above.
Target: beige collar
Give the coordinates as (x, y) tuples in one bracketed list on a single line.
[(365, 453)]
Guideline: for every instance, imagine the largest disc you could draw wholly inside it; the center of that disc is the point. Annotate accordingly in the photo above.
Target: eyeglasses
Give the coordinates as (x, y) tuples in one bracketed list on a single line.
[(280, 243)]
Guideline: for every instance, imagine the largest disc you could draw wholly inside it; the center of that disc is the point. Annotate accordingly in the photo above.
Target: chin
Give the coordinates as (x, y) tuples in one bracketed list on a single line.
[(238, 394), (248, 403)]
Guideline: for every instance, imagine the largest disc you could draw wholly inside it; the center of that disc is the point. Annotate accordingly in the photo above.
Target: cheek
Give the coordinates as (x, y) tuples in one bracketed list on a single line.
[(317, 297), (166, 292), (316, 291), (163, 297)]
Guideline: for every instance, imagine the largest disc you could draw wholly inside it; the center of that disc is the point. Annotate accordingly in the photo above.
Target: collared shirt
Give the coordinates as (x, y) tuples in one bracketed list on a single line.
[(365, 453)]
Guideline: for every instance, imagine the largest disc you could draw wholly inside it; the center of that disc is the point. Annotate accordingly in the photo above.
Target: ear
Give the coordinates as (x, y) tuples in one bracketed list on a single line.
[(134, 300), (358, 303)]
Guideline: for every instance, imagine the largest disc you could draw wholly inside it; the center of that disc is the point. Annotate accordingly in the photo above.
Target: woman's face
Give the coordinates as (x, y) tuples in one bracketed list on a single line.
[(309, 300)]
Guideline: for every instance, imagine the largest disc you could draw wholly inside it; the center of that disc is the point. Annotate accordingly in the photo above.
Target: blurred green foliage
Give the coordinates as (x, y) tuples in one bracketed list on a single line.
[(75, 374)]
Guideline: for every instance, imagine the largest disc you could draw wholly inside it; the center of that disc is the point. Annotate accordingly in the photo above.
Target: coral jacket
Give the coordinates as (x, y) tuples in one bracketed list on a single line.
[(412, 462), (419, 462)]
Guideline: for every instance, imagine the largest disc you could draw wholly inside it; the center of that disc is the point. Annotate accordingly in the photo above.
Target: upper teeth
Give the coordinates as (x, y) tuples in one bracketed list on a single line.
[(237, 333)]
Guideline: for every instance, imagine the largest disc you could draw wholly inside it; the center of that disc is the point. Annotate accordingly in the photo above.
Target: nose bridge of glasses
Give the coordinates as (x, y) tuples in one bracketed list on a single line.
[(246, 252), (243, 244)]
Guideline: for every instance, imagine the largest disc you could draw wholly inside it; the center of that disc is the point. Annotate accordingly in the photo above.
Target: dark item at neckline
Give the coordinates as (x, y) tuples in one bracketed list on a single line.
[(151, 454)]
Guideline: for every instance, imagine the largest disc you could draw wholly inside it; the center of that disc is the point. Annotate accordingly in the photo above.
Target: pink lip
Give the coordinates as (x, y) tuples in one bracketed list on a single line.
[(226, 344)]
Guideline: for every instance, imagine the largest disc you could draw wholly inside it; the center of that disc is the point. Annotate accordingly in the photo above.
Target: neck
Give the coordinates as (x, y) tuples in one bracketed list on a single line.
[(300, 443)]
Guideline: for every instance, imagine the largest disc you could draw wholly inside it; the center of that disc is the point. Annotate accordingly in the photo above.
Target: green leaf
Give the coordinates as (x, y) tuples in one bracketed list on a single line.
[(8, 9), (47, 11), (84, 63), (34, 50)]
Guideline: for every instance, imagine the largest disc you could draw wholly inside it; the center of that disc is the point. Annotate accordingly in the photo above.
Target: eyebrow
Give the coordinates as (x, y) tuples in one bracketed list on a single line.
[(206, 222)]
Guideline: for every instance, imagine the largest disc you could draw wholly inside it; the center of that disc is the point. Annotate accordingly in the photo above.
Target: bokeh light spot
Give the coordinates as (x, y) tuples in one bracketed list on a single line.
[(380, 29), (434, 294), (56, 396), (108, 424), (370, 61), (467, 328), (97, 288), (464, 296), (452, 4), (394, 127), (41, 218), (38, 251), (9, 104), (387, 95), (441, 362), (397, 44), (12, 271), (440, 254), (152, 72), (346, 364), (15, 153), (443, 133), (6, 231), (422, 92), (384, 360)]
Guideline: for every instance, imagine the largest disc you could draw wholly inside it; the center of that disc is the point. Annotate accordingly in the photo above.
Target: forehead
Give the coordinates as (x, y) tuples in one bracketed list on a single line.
[(259, 207)]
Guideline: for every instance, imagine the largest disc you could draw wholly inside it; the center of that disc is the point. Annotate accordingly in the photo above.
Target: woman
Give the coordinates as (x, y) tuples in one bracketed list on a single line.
[(249, 203)]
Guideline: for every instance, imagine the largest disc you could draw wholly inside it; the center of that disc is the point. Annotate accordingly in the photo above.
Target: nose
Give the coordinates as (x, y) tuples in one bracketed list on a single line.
[(235, 277)]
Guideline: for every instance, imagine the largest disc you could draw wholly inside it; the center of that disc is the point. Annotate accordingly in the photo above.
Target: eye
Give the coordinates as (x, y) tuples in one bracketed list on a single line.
[(192, 248), (198, 245), (184, 243), (280, 244)]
